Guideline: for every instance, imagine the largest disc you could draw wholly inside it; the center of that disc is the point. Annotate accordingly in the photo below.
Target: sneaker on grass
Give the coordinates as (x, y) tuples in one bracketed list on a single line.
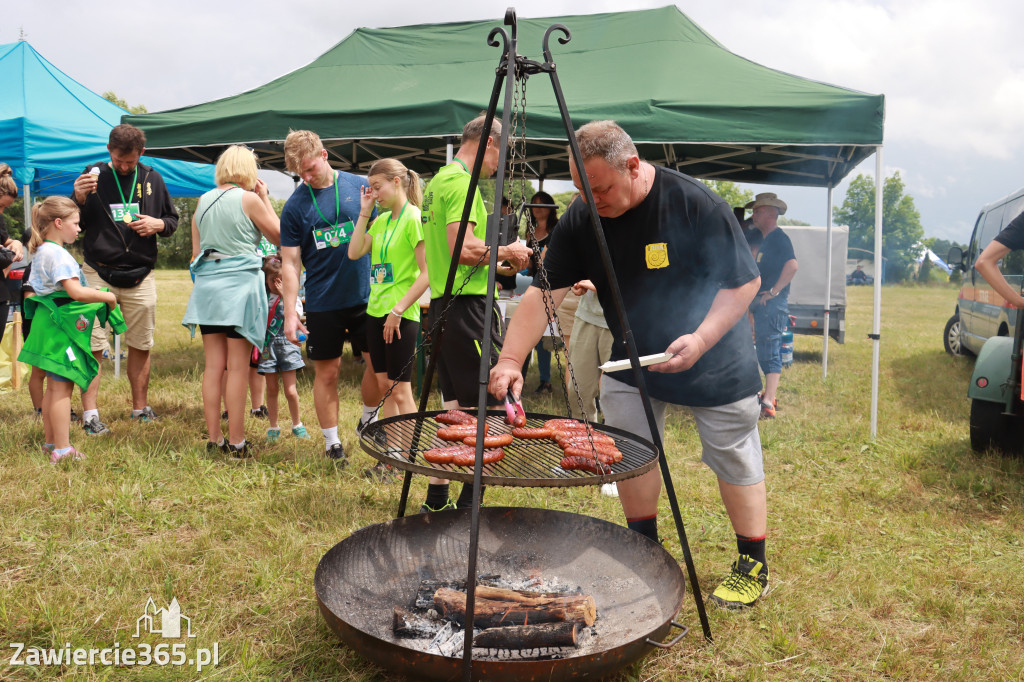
[(746, 583), (273, 435), (300, 432), (337, 453), (147, 415), (450, 504), (72, 453), (245, 451), (360, 425), (94, 427)]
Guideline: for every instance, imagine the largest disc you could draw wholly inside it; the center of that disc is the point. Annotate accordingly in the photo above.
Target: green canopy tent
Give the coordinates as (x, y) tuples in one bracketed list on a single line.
[(687, 101)]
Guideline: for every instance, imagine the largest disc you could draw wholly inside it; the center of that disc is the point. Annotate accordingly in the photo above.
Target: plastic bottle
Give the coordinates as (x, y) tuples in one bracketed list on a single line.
[(787, 348), (302, 337)]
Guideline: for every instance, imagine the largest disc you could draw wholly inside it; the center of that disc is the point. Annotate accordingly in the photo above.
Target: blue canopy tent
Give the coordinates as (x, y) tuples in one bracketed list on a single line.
[(51, 127)]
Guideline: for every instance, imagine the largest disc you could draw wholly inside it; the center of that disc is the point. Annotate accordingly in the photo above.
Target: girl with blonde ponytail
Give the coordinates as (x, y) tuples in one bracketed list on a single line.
[(398, 277)]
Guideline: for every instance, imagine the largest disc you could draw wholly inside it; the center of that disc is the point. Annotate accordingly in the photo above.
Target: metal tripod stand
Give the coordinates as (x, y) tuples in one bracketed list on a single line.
[(511, 67)]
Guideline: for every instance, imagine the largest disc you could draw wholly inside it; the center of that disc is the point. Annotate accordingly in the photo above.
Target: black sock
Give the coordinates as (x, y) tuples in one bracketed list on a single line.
[(647, 526), (466, 496), (437, 495), (752, 547)]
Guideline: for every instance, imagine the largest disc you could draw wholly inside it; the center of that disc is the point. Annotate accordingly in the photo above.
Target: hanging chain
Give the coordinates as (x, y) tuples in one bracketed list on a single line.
[(519, 163), (517, 167)]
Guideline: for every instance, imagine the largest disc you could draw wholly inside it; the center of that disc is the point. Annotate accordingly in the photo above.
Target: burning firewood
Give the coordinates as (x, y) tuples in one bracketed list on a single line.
[(411, 624), (521, 610), (528, 636)]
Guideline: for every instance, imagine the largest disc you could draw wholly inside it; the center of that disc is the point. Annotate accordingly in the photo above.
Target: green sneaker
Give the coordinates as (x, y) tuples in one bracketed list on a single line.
[(745, 584), (273, 435), (300, 432), (450, 504)]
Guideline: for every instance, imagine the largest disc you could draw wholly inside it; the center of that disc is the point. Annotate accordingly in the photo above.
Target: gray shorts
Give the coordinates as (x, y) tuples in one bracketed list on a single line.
[(729, 437), (280, 355)]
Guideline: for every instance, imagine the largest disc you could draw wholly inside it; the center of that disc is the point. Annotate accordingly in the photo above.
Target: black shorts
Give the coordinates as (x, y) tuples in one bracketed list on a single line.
[(395, 358), (328, 331), (458, 363), (231, 332)]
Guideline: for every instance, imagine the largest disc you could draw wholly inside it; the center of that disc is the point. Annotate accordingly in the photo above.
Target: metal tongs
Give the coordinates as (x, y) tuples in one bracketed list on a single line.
[(514, 412)]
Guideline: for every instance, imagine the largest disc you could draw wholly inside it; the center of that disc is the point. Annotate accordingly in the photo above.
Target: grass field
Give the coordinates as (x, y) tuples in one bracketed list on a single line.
[(895, 558)]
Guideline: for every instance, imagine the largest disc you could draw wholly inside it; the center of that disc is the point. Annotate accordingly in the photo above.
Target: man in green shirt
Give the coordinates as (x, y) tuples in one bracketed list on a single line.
[(444, 200)]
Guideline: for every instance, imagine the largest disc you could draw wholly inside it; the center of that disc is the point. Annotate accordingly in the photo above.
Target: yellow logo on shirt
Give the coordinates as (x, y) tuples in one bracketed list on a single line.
[(656, 255)]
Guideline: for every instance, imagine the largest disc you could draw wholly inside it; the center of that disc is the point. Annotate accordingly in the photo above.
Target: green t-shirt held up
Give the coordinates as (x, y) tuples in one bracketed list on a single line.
[(393, 266), (443, 202)]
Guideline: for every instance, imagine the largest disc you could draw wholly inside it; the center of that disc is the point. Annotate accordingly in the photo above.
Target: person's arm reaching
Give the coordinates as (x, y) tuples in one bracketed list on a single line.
[(524, 330), (474, 249), (987, 266)]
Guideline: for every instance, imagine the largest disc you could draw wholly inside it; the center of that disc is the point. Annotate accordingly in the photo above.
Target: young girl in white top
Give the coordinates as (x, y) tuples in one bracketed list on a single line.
[(54, 224)]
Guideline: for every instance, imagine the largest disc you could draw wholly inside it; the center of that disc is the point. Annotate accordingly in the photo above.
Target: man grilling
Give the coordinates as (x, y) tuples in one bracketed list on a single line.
[(686, 277)]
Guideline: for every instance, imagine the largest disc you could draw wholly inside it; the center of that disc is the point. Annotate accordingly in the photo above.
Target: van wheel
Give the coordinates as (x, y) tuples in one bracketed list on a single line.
[(951, 337), (990, 428)]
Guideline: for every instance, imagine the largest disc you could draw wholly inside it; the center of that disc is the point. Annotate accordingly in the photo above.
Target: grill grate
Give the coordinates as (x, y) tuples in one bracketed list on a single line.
[(527, 463)]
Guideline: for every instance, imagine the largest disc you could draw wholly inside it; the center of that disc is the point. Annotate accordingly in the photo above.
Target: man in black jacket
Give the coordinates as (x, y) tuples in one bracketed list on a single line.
[(124, 205)]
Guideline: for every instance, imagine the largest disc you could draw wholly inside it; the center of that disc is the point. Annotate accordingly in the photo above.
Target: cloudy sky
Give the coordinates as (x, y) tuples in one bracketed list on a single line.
[(952, 72)]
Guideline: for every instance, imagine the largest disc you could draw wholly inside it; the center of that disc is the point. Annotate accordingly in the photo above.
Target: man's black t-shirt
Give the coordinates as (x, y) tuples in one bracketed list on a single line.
[(775, 251), (1012, 236), (671, 256)]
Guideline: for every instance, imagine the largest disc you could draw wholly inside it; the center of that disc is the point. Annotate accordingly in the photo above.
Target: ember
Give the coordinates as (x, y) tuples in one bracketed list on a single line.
[(544, 620)]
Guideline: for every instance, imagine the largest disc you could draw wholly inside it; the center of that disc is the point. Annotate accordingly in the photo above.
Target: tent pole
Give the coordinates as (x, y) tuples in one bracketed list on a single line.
[(876, 323), (828, 285), (449, 150), (26, 192)]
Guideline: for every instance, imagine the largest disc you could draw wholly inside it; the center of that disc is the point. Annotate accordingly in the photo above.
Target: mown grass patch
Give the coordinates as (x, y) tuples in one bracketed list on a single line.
[(891, 558)]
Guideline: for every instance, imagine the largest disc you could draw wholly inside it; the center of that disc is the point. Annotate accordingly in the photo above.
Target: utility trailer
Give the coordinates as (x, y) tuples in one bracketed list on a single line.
[(807, 291)]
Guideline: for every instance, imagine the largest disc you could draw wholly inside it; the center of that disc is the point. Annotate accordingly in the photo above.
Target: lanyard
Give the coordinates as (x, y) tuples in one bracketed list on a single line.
[(131, 189), (462, 164), (337, 204), (384, 246), (50, 241)]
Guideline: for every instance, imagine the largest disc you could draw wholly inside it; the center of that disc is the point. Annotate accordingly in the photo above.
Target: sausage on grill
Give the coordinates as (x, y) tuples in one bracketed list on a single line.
[(522, 432), (606, 457), (458, 432), (563, 422), (584, 444), (468, 458), (563, 436), (452, 417), (584, 464), (497, 441), (443, 455)]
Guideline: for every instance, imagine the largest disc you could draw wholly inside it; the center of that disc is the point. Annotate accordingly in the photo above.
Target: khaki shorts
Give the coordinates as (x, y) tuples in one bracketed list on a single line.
[(138, 305), (730, 441)]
